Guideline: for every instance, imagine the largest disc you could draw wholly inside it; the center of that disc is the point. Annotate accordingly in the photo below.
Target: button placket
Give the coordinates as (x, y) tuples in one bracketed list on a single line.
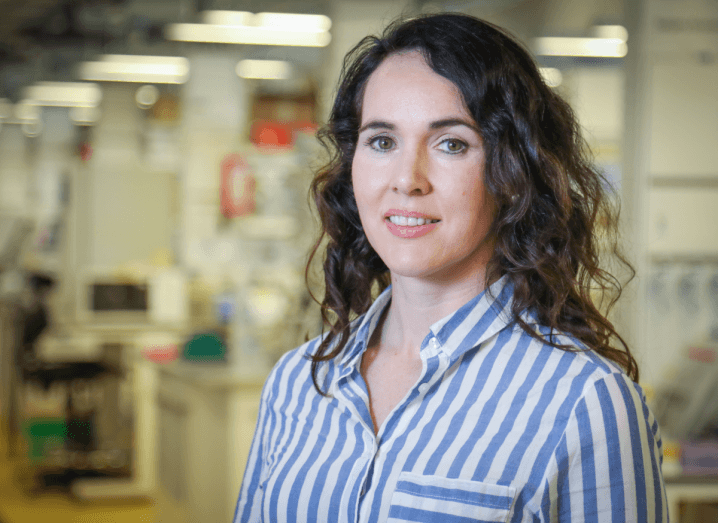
[(370, 469)]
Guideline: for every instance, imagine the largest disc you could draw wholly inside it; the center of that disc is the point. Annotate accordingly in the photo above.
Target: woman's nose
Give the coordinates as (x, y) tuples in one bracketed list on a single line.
[(411, 177)]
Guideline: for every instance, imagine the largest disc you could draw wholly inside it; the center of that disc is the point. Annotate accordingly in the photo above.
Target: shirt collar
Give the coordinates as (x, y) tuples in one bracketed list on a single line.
[(358, 342), (477, 320), (471, 324)]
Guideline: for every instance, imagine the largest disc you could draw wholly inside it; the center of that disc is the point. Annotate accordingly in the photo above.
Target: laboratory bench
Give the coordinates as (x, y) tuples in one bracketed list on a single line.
[(206, 416)]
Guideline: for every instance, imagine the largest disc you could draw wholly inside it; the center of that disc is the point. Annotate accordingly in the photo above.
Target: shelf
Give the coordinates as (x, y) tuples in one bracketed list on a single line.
[(691, 480), (687, 258), (680, 182)]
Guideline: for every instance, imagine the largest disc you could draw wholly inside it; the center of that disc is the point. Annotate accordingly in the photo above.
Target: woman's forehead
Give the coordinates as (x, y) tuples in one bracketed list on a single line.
[(404, 85)]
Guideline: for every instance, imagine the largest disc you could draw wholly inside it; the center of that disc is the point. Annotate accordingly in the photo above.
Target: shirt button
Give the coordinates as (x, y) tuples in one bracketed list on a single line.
[(423, 387), (434, 343)]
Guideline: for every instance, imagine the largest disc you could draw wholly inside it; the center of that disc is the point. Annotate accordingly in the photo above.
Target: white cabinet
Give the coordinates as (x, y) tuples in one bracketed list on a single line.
[(206, 419), (683, 221), (683, 124)]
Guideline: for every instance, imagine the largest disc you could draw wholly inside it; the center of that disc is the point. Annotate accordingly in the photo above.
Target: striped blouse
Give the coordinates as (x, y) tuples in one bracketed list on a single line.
[(499, 427)]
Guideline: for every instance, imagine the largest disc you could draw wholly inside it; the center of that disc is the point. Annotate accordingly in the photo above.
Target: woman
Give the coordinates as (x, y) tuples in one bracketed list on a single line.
[(482, 384)]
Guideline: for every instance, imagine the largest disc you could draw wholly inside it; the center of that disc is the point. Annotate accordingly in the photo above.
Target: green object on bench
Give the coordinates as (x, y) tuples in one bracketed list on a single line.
[(205, 347), (43, 434)]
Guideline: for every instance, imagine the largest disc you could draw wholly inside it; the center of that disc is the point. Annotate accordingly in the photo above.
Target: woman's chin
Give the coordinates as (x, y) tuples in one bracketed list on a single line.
[(425, 272)]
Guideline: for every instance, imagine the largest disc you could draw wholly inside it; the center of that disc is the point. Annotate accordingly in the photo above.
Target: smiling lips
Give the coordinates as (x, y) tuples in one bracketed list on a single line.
[(409, 224)]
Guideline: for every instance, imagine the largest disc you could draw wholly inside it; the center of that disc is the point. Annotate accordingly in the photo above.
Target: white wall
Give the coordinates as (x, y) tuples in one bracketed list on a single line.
[(683, 130), (129, 203), (597, 96), (673, 130)]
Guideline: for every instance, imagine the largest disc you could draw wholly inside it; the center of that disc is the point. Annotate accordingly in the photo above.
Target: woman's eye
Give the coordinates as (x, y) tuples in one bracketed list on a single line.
[(453, 146), (382, 143)]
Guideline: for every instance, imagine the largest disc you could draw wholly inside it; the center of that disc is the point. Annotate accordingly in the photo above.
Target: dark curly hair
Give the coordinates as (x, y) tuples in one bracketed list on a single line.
[(555, 215)]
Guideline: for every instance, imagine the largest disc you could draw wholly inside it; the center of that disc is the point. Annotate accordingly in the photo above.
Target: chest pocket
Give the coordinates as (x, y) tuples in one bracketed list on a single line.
[(429, 499)]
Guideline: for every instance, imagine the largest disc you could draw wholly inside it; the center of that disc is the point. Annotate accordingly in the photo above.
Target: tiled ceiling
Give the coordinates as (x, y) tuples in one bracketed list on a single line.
[(16, 14), (43, 39)]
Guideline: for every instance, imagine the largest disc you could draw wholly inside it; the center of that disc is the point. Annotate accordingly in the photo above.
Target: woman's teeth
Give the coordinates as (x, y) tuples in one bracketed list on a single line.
[(411, 222)]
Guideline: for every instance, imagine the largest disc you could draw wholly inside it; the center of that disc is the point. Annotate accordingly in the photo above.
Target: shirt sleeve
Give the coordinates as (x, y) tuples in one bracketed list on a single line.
[(609, 460), (250, 494)]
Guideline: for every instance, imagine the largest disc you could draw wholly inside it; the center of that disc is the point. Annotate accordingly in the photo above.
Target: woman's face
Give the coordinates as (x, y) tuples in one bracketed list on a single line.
[(418, 174)]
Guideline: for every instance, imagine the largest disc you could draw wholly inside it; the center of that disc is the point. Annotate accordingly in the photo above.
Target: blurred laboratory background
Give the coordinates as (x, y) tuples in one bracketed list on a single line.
[(155, 160)]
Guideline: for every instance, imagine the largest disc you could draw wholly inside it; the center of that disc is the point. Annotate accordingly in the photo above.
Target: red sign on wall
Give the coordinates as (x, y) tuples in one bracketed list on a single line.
[(237, 187)]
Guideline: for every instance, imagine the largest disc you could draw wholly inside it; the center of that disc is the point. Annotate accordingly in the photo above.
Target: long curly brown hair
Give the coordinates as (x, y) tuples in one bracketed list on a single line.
[(555, 212)]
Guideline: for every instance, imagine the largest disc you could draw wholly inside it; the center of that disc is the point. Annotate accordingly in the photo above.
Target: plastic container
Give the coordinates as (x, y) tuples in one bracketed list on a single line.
[(699, 457)]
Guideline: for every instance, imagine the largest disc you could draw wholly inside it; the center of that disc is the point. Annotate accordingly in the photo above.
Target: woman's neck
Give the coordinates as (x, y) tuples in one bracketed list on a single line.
[(416, 304)]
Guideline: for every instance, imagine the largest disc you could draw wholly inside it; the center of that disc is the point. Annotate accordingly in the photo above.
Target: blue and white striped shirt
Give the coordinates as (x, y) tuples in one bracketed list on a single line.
[(499, 427)]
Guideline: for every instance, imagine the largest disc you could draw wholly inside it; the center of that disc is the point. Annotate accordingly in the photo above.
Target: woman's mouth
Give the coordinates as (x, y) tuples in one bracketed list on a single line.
[(410, 227), (409, 221)]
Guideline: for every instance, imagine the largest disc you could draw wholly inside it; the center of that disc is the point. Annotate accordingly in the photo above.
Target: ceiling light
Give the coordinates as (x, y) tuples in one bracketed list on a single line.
[(264, 69), (292, 22), (63, 94), (284, 21), (84, 115), (587, 47), (551, 76), (251, 35), (137, 68), (610, 31), (26, 111), (228, 18)]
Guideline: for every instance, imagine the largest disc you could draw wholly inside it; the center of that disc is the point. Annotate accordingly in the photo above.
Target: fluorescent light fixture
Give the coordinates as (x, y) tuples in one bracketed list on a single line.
[(84, 115), (551, 76), (251, 35), (283, 21), (63, 94), (593, 47), (292, 22), (264, 69), (228, 18), (610, 31), (25, 110), (137, 68), (25, 113)]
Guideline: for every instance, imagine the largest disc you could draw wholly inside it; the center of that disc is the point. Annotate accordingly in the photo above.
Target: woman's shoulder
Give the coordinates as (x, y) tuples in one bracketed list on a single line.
[(588, 389), (580, 367), (571, 348)]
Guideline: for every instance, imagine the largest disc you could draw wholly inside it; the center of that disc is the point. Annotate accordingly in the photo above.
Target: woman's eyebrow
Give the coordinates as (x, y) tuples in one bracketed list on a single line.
[(376, 125), (450, 122), (446, 122)]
